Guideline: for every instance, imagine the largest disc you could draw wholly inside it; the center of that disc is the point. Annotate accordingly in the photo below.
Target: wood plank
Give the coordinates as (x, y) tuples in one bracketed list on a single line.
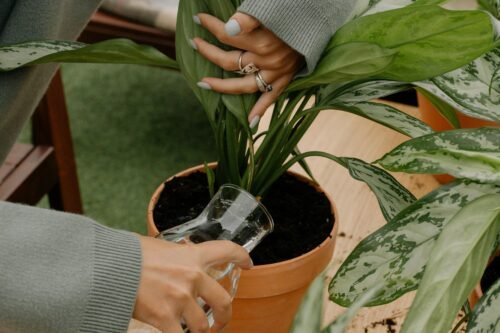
[(17, 154)]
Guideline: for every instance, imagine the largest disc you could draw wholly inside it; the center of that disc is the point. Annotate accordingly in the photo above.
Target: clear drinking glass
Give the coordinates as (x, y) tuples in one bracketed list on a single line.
[(232, 214)]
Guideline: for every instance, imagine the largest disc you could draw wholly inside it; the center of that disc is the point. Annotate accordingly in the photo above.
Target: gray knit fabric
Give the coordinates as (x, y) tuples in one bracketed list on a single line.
[(305, 25)]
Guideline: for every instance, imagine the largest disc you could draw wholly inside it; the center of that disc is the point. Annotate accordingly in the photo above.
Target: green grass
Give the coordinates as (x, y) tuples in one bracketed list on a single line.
[(132, 128)]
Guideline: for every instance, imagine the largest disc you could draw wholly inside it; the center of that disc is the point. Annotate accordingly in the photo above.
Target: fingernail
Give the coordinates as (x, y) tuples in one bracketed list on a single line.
[(196, 19), (254, 122), (193, 44), (204, 85), (232, 27)]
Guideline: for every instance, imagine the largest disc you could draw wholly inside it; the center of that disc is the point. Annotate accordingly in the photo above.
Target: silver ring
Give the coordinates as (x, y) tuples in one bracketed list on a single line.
[(262, 84), (248, 69)]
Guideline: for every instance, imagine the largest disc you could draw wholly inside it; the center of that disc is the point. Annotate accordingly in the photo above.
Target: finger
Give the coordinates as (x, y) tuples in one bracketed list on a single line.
[(195, 318), (219, 252), (267, 99), (218, 299), (242, 85), (241, 23)]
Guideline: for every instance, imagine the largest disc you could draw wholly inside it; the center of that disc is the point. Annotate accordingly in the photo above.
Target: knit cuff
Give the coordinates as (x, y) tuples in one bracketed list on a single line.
[(117, 271), (300, 24)]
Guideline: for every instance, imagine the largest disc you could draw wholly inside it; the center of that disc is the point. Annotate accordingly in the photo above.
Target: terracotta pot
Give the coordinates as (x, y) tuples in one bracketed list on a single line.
[(268, 296), (437, 122)]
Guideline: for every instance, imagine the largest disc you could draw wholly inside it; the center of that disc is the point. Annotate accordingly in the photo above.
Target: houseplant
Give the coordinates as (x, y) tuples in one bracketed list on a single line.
[(357, 66)]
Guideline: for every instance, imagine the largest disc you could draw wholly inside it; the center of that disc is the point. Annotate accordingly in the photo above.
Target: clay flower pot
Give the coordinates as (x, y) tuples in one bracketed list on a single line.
[(268, 296), (433, 118)]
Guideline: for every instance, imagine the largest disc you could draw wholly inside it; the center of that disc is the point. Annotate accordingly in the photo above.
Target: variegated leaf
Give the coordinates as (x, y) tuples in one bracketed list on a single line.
[(310, 313), (398, 252), (473, 89), (455, 266), (340, 324), (493, 6), (387, 116), (361, 92), (391, 195), (464, 153), (111, 51), (485, 317)]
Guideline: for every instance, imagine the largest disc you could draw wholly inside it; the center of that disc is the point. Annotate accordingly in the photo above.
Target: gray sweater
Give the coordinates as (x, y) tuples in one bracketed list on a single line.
[(66, 273)]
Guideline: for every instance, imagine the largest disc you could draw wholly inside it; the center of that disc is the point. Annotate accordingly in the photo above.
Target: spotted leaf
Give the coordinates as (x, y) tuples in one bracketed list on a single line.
[(485, 317)]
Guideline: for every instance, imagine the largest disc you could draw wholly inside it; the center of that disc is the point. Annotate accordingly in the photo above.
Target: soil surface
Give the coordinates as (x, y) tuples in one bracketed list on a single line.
[(491, 274), (302, 216)]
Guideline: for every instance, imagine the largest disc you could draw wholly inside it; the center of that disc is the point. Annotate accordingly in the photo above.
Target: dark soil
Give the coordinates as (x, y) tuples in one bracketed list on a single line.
[(491, 274), (302, 216)]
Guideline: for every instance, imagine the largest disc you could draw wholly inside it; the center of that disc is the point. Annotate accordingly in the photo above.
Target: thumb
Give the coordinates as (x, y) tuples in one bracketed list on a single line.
[(241, 23)]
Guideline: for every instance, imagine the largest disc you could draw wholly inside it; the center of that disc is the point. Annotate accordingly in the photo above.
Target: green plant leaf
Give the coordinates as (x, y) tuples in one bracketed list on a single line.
[(119, 51), (473, 89), (485, 318), (493, 6), (424, 38), (309, 315), (391, 195), (339, 325), (368, 7), (455, 265), (444, 109), (193, 66), (398, 252), (463, 153), (388, 116)]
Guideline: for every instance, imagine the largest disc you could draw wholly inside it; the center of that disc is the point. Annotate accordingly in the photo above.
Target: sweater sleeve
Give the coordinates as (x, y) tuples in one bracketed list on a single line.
[(64, 273), (305, 25)]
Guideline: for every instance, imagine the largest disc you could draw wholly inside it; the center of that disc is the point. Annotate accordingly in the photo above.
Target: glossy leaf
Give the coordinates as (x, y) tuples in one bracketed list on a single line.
[(464, 153), (119, 51), (485, 317), (339, 325), (398, 252), (391, 195), (473, 89), (388, 116), (309, 315), (455, 265)]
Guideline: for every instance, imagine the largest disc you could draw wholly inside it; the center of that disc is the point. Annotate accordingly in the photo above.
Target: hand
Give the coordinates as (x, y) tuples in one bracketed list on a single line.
[(277, 61), (174, 275)]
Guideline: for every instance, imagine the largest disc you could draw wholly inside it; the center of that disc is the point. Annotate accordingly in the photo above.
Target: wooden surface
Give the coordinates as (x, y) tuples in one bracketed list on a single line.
[(343, 134)]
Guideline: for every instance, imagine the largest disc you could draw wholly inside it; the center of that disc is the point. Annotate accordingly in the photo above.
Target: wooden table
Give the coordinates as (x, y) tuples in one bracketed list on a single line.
[(343, 134)]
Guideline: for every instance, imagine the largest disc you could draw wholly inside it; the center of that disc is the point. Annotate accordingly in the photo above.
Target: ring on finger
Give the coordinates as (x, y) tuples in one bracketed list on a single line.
[(262, 84), (248, 69)]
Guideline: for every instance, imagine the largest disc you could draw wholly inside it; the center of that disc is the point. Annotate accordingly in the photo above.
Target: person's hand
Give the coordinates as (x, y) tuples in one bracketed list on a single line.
[(174, 275), (277, 61)]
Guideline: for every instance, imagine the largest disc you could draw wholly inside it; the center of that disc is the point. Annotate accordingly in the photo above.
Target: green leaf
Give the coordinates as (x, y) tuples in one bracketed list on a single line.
[(493, 6), (210, 179), (388, 116), (464, 153), (455, 265), (473, 89), (391, 195), (368, 7), (339, 325), (398, 252), (118, 51), (485, 318), (443, 108), (425, 39), (309, 315)]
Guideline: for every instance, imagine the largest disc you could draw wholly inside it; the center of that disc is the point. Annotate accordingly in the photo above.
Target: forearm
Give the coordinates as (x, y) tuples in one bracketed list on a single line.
[(305, 25), (64, 273)]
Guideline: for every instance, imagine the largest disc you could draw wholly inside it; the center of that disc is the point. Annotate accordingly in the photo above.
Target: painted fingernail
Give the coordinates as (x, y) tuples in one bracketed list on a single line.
[(196, 19), (254, 122), (193, 44), (204, 85), (232, 27)]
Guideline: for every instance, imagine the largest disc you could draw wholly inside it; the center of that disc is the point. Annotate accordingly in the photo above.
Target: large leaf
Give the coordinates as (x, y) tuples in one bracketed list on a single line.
[(473, 89), (368, 7), (429, 40), (122, 51), (485, 317), (467, 153), (398, 252), (493, 6), (391, 195), (388, 116), (339, 325), (455, 265), (310, 313)]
